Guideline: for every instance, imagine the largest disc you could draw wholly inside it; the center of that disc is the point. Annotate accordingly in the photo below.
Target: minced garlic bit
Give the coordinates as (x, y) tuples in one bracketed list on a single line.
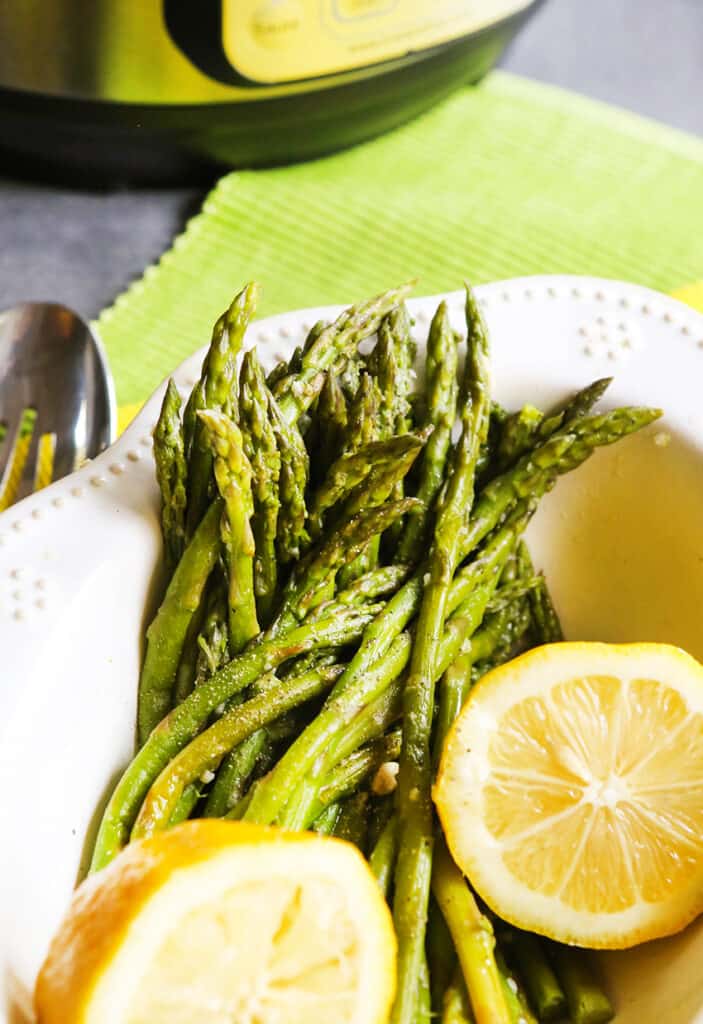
[(207, 776), (386, 778)]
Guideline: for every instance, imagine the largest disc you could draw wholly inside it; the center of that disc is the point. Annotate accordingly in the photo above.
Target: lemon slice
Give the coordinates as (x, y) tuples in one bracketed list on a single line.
[(571, 792), (220, 922)]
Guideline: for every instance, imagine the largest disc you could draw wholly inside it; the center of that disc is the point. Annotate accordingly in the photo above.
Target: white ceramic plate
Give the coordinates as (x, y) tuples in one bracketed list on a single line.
[(621, 541)]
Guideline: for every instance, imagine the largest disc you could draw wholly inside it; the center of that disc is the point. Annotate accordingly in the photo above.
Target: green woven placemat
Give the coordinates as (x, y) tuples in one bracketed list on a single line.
[(502, 180)]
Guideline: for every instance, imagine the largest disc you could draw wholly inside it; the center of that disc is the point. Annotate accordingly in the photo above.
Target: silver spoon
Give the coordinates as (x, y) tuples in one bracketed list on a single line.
[(56, 396)]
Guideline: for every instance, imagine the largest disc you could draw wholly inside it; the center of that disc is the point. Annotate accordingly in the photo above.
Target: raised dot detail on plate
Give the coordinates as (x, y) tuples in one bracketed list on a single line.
[(77, 492), (529, 294), (40, 584), (264, 338), (36, 513), (16, 574), (16, 595), (576, 292), (625, 303), (40, 603), (284, 332), (668, 318), (306, 327), (600, 296), (700, 343), (646, 310), (421, 316), (685, 330), (506, 296), (57, 502), (583, 332), (97, 481), (117, 469), (146, 441), (552, 292), (133, 456), (18, 614)]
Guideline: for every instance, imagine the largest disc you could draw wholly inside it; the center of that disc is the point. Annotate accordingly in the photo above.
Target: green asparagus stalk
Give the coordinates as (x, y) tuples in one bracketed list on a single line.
[(213, 638), (327, 822), (205, 752), (234, 774), (356, 769), (216, 393), (441, 955), (441, 415), (473, 938), (353, 468), (187, 666), (544, 991), (456, 1008), (291, 535), (545, 619), (513, 993), (352, 823), (536, 472), (167, 633), (296, 394), (308, 584), (382, 858), (171, 474), (233, 476), (261, 449), (329, 427), (424, 999), (414, 867), (184, 722), (587, 1002)]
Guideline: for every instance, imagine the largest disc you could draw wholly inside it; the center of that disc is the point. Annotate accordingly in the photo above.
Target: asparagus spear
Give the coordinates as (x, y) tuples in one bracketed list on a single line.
[(217, 392), (473, 938), (166, 634), (545, 619), (352, 468), (382, 858), (383, 654), (587, 1002), (456, 1008), (356, 769), (308, 583), (441, 955), (327, 822), (513, 993), (233, 775), (291, 534), (213, 638), (187, 666), (186, 721), (352, 823), (233, 476), (206, 751), (543, 989), (536, 472), (171, 474), (262, 451), (296, 394), (329, 427), (414, 867), (441, 415)]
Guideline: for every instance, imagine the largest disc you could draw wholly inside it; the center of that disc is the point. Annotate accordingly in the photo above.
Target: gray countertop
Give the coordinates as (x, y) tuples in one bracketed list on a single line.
[(84, 247)]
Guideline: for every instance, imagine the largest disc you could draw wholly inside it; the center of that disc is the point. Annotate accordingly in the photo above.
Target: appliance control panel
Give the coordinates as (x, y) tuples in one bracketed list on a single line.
[(277, 41)]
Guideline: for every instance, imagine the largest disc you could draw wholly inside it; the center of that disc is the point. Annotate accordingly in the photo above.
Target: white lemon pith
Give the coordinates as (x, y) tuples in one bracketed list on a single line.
[(571, 792), (273, 932)]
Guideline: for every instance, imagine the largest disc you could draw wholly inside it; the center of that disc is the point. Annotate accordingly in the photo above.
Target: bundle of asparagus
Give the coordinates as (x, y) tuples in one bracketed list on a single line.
[(340, 572)]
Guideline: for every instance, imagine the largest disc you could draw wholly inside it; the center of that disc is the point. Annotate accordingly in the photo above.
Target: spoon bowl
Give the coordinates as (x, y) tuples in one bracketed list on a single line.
[(54, 383)]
